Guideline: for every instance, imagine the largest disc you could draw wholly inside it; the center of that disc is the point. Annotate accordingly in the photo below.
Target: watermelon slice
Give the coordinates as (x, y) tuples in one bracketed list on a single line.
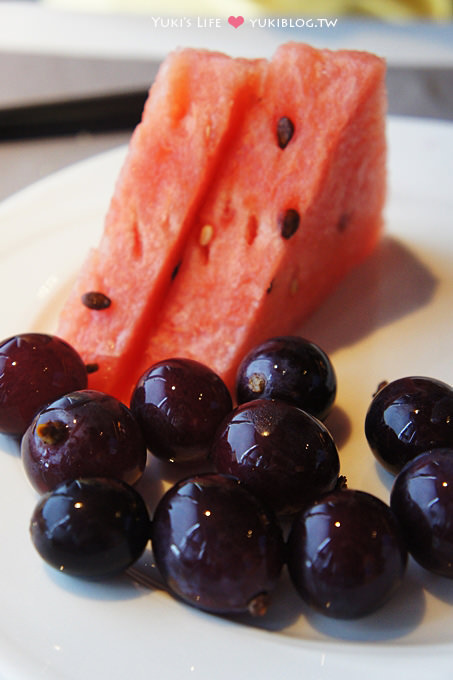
[(192, 111), (250, 189)]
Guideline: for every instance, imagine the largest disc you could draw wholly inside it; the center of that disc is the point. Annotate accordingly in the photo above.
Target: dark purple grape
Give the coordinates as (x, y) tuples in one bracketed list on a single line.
[(216, 546), (281, 453), (346, 554), (83, 434), (179, 403), (35, 369), (91, 527), (409, 416), (291, 369), (422, 500)]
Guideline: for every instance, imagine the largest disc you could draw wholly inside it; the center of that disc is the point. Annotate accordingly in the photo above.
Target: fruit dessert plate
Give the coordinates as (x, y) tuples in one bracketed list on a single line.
[(390, 318)]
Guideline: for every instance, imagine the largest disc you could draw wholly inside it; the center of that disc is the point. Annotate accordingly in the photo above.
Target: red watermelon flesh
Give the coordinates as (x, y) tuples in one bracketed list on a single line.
[(239, 279), (193, 106), (248, 282)]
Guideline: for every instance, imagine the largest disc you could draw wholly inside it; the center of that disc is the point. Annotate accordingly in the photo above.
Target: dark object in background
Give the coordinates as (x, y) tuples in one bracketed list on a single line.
[(91, 114)]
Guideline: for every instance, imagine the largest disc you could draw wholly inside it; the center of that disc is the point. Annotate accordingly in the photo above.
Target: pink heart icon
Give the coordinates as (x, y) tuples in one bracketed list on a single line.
[(236, 21)]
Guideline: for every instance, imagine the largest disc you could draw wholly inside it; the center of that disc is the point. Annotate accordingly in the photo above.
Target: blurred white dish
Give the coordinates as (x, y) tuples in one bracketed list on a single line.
[(84, 29)]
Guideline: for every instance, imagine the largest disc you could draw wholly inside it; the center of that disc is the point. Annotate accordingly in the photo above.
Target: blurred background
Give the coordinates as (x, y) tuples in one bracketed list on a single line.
[(74, 74), (403, 9)]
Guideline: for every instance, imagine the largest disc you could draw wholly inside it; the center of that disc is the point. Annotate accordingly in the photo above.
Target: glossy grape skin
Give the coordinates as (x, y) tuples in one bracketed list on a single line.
[(35, 368), (179, 403), (90, 528), (346, 554), (83, 434), (281, 453), (422, 500), (289, 368), (216, 546), (408, 416)]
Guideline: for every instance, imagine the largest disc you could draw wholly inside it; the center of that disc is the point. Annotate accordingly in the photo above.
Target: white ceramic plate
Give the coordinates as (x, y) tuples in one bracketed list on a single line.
[(391, 317)]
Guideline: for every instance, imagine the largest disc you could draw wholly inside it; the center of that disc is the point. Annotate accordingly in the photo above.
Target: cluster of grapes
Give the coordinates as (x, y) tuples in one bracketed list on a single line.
[(274, 495)]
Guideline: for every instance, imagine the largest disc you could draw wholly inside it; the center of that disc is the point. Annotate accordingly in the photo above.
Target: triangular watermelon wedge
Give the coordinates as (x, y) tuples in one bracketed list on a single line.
[(288, 200), (174, 152)]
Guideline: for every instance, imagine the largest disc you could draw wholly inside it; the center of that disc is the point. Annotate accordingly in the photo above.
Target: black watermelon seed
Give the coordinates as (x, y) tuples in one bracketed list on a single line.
[(285, 131), (289, 223), (343, 222), (92, 368), (95, 300), (175, 271)]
